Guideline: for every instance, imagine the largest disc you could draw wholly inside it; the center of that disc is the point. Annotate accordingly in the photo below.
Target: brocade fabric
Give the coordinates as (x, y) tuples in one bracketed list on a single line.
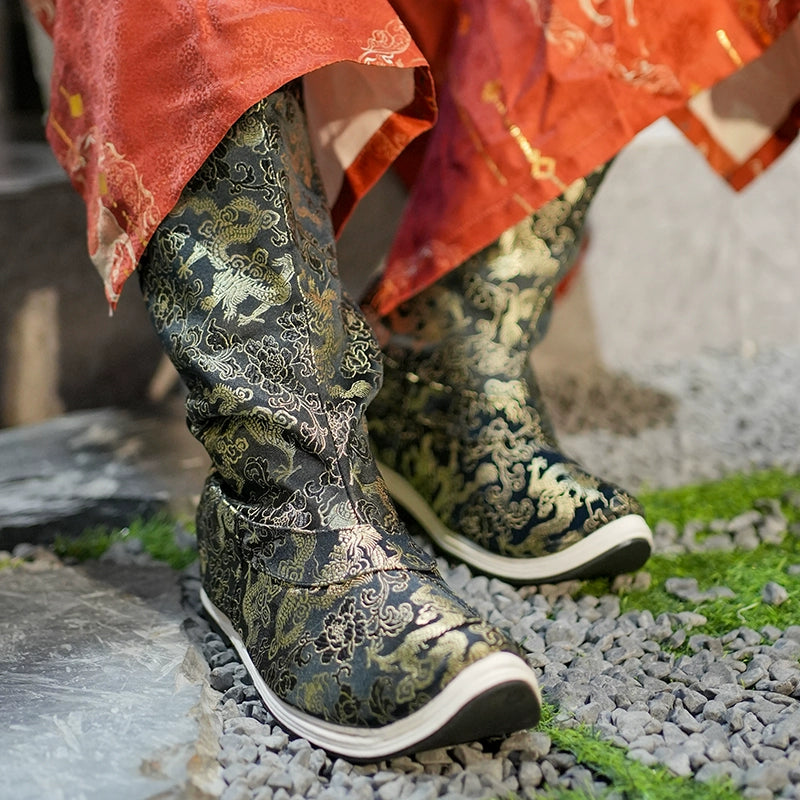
[(472, 435), (142, 93)]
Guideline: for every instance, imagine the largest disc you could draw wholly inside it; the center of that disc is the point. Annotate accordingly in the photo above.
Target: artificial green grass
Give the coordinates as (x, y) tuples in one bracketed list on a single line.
[(744, 572), (627, 778), (724, 499), (157, 535)]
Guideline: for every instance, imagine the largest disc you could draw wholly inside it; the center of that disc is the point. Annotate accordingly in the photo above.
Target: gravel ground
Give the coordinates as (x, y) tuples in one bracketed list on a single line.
[(731, 708), (728, 707)]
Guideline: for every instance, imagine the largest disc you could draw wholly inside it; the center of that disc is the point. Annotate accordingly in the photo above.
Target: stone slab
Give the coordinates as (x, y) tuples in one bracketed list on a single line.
[(84, 469), (102, 694)]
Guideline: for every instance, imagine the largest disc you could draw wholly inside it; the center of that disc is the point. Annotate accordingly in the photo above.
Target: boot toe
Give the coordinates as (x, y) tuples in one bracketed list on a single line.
[(354, 641), (576, 527), (367, 676)]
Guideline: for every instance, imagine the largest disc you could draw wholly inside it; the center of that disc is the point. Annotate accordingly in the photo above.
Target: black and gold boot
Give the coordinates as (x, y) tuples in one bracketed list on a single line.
[(460, 429), (349, 633)]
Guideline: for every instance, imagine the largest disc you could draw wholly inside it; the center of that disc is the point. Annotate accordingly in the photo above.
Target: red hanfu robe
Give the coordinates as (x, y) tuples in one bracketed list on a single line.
[(530, 95)]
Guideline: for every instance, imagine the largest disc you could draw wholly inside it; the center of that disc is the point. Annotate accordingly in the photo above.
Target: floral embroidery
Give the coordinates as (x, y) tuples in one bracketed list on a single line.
[(385, 45), (341, 633)]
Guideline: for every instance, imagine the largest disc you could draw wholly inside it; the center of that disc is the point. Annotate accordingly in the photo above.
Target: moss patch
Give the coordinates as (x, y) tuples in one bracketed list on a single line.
[(157, 534), (744, 572), (718, 499), (627, 778)]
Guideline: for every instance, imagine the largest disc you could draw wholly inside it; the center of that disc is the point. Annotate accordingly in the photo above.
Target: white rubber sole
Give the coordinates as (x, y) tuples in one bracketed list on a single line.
[(621, 546), (493, 696)]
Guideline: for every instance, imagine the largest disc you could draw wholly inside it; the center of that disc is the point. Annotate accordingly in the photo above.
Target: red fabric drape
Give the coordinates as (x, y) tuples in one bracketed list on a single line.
[(534, 94), (531, 95), (141, 93)]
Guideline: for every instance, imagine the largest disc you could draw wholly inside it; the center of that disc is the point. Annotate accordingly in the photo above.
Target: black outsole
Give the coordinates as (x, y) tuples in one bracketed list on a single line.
[(501, 711), (626, 557)]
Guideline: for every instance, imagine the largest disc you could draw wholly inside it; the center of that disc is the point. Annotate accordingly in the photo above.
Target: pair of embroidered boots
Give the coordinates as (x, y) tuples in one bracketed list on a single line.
[(349, 632)]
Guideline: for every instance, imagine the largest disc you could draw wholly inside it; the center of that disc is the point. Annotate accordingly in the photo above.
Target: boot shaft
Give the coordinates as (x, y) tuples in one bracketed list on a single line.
[(241, 283), (480, 321)]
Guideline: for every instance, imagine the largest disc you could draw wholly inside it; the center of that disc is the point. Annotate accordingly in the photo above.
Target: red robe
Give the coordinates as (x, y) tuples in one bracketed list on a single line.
[(531, 95)]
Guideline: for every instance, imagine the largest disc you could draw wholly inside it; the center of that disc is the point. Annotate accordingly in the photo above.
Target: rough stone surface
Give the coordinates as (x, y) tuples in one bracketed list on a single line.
[(102, 693), (81, 470)]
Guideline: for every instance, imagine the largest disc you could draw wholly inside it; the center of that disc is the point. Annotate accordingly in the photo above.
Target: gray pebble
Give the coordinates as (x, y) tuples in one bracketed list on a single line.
[(730, 694), (238, 790), (665, 530), (773, 528), (258, 775), (222, 677), (771, 633), (717, 750), (423, 791), (392, 790), (752, 675), (677, 639), (302, 780), (719, 543), (489, 767), (744, 520), (437, 756), (578, 778), (407, 765), (236, 770), (643, 756), (224, 657), (564, 633), (530, 775), (648, 743), (662, 698), (773, 594), (684, 720), (673, 735), (717, 771), (677, 761), (714, 710), (466, 755), (692, 701), (746, 539), (773, 775), (786, 647), (717, 676), (550, 774), (471, 785)]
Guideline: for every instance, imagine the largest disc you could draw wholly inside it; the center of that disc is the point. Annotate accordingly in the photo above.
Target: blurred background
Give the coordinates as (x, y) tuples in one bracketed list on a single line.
[(60, 350)]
